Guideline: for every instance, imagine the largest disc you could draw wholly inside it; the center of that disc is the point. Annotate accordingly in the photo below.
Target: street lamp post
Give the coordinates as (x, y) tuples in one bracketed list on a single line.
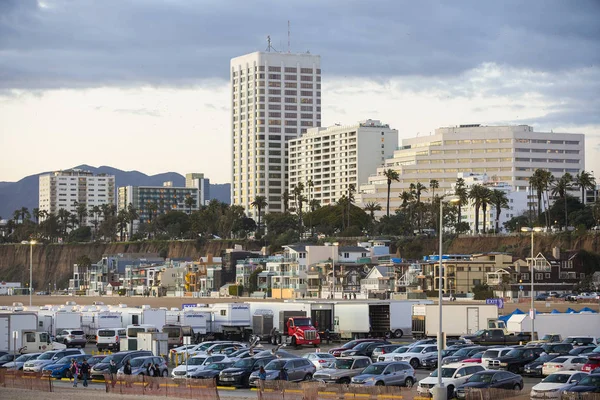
[(531, 272), (31, 243), (440, 392)]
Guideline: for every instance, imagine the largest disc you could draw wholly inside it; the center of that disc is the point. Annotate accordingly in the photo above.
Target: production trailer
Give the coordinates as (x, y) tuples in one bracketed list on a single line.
[(583, 324), (359, 320), (458, 319), (91, 321), (230, 321), (145, 315), (53, 322), (18, 334), (401, 316)]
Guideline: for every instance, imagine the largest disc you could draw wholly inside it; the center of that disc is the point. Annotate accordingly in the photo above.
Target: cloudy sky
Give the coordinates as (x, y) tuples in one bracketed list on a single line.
[(143, 84)]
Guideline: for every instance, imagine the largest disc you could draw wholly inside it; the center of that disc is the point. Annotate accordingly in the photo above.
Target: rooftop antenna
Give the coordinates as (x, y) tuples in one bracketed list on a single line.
[(288, 35), (269, 44)]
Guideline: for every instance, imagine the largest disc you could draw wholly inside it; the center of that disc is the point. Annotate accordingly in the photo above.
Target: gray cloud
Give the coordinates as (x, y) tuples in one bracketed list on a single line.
[(85, 43)]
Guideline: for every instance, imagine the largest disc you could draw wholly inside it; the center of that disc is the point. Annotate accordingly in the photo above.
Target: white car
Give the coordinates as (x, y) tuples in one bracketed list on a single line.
[(195, 364), (493, 353), (389, 357), (215, 347), (415, 354), (320, 360), (453, 375), (554, 384), (564, 363)]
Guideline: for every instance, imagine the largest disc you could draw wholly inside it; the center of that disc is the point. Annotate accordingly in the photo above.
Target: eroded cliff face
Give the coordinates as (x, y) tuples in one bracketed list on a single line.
[(53, 264)]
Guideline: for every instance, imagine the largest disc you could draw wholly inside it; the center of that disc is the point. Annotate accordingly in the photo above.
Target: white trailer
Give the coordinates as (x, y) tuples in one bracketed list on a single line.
[(230, 320), (198, 320), (54, 322), (91, 321), (401, 316), (18, 333), (262, 307), (144, 315), (362, 319), (458, 319), (584, 324)]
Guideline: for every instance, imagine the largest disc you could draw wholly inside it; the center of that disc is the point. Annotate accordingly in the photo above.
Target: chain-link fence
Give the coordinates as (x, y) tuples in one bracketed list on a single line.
[(141, 385), (25, 380)]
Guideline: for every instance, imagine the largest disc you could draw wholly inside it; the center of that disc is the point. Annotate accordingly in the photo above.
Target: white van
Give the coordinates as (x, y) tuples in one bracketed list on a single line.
[(109, 338), (131, 335)]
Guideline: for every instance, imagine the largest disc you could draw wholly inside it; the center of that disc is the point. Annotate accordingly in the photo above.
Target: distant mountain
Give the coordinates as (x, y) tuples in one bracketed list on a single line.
[(24, 193)]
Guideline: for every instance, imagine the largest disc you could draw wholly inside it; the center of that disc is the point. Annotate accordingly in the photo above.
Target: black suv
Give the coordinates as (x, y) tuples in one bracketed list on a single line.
[(515, 360), (560, 349), (239, 373), (101, 368)]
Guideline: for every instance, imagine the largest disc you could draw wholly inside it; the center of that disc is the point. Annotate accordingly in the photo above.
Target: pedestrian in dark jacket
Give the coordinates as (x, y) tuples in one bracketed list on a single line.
[(113, 369), (85, 372), (127, 372), (74, 371)]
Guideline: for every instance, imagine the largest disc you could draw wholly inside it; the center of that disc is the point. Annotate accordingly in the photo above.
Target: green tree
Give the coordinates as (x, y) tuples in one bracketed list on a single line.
[(253, 280), (419, 189), (189, 203), (476, 193), (391, 176), (122, 220), (560, 188), (81, 211), (260, 203), (485, 200), (460, 191), (36, 215), (96, 212), (63, 220), (585, 181), (540, 181), (132, 216), (499, 200), (371, 207), (286, 200)]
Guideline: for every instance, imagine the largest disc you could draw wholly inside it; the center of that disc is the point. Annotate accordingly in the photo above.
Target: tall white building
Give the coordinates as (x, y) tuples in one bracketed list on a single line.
[(505, 153), (275, 97), (198, 181), (335, 157), (66, 189)]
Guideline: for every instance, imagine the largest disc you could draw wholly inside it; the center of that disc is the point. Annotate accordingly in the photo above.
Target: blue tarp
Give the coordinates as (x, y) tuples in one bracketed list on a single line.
[(505, 318), (570, 311), (555, 311), (587, 309)]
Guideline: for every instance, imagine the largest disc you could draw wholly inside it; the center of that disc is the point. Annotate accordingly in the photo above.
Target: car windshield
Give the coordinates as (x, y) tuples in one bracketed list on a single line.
[(590, 380), (402, 349), (114, 357), (7, 357), (275, 365), (446, 373), (204, 346), (545, 358), (350, 344), (196, 361), (557, 378), (446, 352), (46, 356), (65, 360), (238, 353), (325, 355), (417, 349), (515, 353), (559, 360), (302, 322), (578, 340), (343, 364), (485, 378), (362, 346), (462, 352), (138, 362), (479, 332), (491, 353), (217, 366), (23, 358), (243, 363), (374, 369)]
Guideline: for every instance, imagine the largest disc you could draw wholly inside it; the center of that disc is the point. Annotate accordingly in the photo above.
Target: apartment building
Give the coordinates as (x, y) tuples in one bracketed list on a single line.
[(328, 160), (198, 181), (66, 189), (152, 201), (507, 153), (275, 97)]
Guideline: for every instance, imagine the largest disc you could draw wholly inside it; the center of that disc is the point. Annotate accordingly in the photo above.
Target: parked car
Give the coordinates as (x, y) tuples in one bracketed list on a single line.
[(110, 338), (474, 359), (96, 359), (72, 338), (217, 348), (363, 349), (430, 361), (383, 349), (139, 365), (582, 350), (387, 374), (453, 375), (563, 363), (49, 357), (463, 354), (490, 379), (577, 341), (387, 357), (320, 360), (6, 358), (337, 352), (493, 352), (591, 364), (554, 384), (195, 364), (542, 297), (297, 369), (239, 373), (343, 369), (60, 369), (101, 368), (212, 371), (557, 348), (588, 384), (516, 359), (20, 361), (416, 354), (534, 368)]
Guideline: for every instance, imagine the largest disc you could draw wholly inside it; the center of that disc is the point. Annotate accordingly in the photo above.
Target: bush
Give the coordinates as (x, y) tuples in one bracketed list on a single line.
[(482, 292), (122, 292), (235, 290)]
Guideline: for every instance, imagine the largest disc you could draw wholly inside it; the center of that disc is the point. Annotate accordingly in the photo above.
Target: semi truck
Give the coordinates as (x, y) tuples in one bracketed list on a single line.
[(565, 325), (458, 319), (18, 334), (296, 329)]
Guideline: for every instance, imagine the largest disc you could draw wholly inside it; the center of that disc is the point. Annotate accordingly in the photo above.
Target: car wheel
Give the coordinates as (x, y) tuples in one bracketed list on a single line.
[(68, 374), (294, 341), (514, 369), (517, 387), (165, 373), (345, 381), (398, 333), (379, 383), (450, 391), (308, 377), (409, 382), (414, 363)]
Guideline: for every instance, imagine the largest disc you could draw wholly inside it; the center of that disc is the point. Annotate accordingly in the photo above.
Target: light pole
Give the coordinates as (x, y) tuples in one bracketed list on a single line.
[(439, 391), (531, 272), (31, 243)]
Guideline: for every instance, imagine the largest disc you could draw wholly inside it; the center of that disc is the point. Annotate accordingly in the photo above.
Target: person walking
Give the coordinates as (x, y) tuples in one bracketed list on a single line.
[(74, 371), (127, 372), (113, 369), (262, 377), (85, 372), (150, 375), (157, 375)]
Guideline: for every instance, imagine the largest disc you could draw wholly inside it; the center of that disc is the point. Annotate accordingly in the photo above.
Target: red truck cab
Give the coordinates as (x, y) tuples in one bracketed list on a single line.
[(301, 332)]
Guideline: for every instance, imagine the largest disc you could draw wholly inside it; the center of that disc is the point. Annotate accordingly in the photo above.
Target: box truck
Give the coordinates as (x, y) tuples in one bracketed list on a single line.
[(458, 319), (359, 320), (584, 324), (18, 334)]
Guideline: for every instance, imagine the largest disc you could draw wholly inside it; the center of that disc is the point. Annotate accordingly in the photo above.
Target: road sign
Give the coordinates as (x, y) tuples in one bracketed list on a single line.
[(521, 287), (497, 302), (188, 305)]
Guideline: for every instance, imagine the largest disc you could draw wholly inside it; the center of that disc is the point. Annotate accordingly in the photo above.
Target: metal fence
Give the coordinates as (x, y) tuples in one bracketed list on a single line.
[(141, 385), (25, 380)]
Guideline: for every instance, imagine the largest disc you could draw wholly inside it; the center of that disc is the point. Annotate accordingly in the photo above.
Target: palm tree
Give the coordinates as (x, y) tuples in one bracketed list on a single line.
[(122, 220), (540, 181), (73, 221), (391, 175), (485, 200), (260, 202), (299, 200), (152, 209), (63, 219), (25, 214), (189, 203), (286, 200), (433, 184), (132, 216), (498, 199), (460, 191), (96, 211), (406, 198), (81, 211), (585, 181), (419, 188), (351, 191), (36, 215), (476, 193), (560, 188), (371, 207)]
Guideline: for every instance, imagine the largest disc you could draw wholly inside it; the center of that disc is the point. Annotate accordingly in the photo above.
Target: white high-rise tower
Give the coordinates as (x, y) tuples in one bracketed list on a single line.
[(275, 97)]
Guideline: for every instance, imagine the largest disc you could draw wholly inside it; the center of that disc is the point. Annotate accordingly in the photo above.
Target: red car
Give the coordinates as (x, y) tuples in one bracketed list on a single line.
[(353, 343), (592, 364), (475, 358)]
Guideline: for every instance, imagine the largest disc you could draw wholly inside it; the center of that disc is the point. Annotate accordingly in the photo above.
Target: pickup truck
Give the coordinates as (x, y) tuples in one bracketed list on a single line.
[(515, 360), (496, 337), (548, 338)]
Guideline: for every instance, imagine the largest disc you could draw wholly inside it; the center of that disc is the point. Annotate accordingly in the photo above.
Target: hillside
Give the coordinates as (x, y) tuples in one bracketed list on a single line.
[(24, 193), (54, 263)]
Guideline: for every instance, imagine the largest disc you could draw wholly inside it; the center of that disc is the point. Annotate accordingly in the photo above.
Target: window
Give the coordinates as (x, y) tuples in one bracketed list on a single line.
[(547, 275), (346, 255), (223, 313)]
